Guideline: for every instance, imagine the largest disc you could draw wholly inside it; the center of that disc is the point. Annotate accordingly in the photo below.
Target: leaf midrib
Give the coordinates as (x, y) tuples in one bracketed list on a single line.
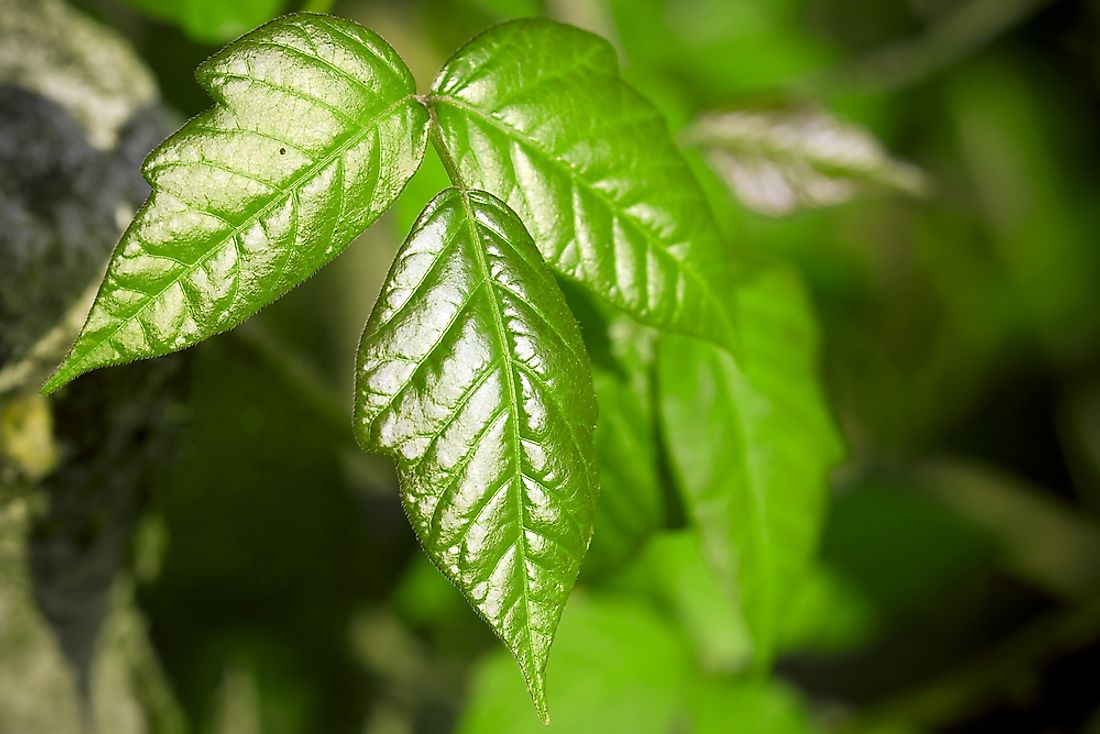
[(513, 408), (683, 265), (292, 185)]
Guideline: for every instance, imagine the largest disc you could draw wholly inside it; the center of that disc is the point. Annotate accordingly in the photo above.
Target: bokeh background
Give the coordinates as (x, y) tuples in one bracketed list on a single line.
[(194, 544)]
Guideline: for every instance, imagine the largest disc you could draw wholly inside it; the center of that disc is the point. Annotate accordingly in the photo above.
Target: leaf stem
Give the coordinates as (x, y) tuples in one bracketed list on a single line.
[(436, 135)]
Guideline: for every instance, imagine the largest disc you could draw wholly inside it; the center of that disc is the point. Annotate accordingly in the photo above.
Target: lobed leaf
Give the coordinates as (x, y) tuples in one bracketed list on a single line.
[(473, 376), (536, 113), (751, 442), (315, 132)]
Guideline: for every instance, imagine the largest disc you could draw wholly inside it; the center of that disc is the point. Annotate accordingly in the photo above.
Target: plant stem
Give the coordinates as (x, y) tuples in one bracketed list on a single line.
[(440, 146)]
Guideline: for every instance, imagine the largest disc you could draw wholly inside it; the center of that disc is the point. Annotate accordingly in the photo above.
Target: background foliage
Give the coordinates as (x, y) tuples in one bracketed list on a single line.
[(197, 545)]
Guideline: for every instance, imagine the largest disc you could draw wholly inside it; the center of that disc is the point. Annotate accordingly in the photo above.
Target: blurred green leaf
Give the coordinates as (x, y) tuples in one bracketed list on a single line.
[(672, 572), (711, 49), (1041, 538), (504, 9), (1019, 139), (829, 614), (1079, 428), (778, 159), (617, 668), (751, 444), (720, 707), (631, 502), (212, 21)]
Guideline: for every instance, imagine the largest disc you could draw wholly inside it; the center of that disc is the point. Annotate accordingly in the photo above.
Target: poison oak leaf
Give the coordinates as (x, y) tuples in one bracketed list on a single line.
[(536, 113), (315, 132), (473, 376)]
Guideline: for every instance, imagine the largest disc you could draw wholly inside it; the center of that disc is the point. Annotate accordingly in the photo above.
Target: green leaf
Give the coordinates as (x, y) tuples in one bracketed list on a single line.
[(473, 376), (751, 443), (718, 707), (631, 503), (212, 21), (632, 499), (778, 159), (618, 667), (536, 113), (315, 132), (672, 570)]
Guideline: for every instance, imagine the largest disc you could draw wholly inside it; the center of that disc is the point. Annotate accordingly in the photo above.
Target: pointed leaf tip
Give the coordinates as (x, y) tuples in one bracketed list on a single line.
[(315, 132), (473, 376)]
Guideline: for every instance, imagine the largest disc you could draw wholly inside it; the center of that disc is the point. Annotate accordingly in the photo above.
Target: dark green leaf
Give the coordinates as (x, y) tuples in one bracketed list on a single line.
[(751, 442), (473, 376), (314, 135), (632, 502), (536, 113)]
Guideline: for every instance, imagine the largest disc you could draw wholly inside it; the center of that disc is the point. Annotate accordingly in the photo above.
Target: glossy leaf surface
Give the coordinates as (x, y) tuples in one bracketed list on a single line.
[(536, 113), (751, 443), (473, 376), (314, 134)]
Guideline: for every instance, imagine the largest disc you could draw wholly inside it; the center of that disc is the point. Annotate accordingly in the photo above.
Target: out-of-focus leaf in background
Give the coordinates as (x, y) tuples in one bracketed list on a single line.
[(212, 21), (617, 667), (633, 489), (672, 573), (778, 159), (687, 52), (769, 708), (752, 440)]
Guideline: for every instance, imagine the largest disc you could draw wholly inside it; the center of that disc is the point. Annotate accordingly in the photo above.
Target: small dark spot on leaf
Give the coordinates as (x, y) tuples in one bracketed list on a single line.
[(282, 151)]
